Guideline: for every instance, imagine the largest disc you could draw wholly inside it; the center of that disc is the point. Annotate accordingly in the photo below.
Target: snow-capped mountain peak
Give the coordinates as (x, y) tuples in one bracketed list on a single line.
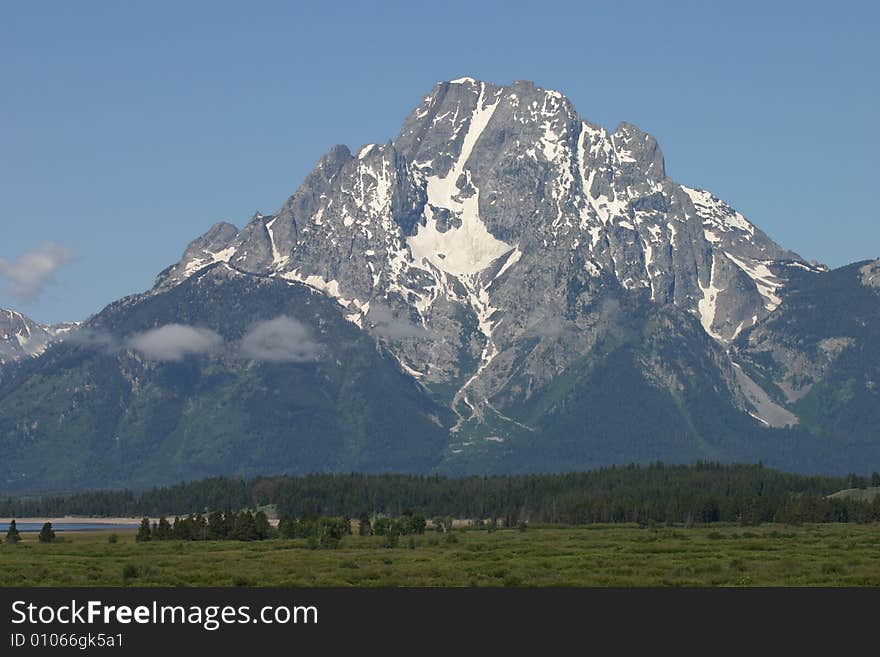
[(493, 206), (504, 287), (21, 337)]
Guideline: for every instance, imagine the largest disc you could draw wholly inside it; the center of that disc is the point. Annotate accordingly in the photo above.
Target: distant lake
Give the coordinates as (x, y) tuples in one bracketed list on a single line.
[(61, 527)]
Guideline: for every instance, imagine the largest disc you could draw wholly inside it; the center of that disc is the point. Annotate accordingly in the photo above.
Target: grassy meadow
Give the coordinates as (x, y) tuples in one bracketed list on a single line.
[(592, 555)]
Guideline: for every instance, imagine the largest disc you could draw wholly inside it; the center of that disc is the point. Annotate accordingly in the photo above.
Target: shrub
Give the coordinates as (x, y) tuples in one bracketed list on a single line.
[(129, 572)]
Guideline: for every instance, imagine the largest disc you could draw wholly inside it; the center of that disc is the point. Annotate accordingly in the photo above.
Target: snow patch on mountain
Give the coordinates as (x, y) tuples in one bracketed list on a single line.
[(470, 247), (277, 258), (492, 204), (21, 337), (328, 287), (210, 258), (766, 281), (716, 213), (708, 304)]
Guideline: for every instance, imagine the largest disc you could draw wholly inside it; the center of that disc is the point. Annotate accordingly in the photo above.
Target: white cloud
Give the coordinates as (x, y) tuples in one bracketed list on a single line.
[(174, 341), (92, 338), (385, 323), (280, 340), (27, 277)]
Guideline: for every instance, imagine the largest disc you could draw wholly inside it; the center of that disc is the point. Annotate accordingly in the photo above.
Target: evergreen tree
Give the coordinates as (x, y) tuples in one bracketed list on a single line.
[(12, 535), (307, 527), (330, 532), (262, 527), (414, 523), (229, 520), (200, 528), (244, 527), (216, 526), (287, 527), (47, 534), (144, 533), (163, 531), (185, 528), (365, 528), (381, 525)]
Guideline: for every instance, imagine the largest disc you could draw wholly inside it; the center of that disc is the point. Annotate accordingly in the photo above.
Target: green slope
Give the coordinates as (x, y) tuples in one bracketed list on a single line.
[(88, 416)]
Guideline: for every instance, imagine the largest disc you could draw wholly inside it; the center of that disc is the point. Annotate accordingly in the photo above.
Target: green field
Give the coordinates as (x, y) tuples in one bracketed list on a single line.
[(593, 555)]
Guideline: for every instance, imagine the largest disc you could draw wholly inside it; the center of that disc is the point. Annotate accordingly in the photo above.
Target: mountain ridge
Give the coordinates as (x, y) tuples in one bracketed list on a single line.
[(516, 263), (439, 246)]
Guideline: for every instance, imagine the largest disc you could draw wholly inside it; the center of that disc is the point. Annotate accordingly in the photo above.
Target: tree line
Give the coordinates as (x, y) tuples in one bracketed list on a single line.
[(216, 526), (701, 492), (320, 531)]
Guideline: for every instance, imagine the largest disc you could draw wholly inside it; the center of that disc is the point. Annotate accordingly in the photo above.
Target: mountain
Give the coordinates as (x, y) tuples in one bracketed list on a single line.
[(819, 354), (95, 411), (22, 337), (505, 287)]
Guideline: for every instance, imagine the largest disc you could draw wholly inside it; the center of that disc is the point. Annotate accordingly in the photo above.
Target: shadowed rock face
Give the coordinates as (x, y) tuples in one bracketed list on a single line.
[(495, 209), (819, 353)]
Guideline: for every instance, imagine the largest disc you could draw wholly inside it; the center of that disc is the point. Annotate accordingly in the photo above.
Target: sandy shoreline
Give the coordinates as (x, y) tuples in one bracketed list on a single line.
[(80, 519), (86, 520)]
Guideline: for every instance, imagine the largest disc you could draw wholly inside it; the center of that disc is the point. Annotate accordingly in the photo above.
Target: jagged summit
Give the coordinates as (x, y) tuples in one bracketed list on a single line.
[(488, 194), (21, 337), (481, 172), (216, 245)]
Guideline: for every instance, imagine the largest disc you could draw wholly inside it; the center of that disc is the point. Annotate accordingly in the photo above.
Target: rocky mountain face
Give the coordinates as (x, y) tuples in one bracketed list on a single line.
[(819, 355), (21, 337), (255, 395), (871, 274), (496, 216), (553, 297)]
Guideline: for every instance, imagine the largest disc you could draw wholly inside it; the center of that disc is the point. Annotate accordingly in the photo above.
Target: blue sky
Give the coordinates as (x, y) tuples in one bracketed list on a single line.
[(129, 128)]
